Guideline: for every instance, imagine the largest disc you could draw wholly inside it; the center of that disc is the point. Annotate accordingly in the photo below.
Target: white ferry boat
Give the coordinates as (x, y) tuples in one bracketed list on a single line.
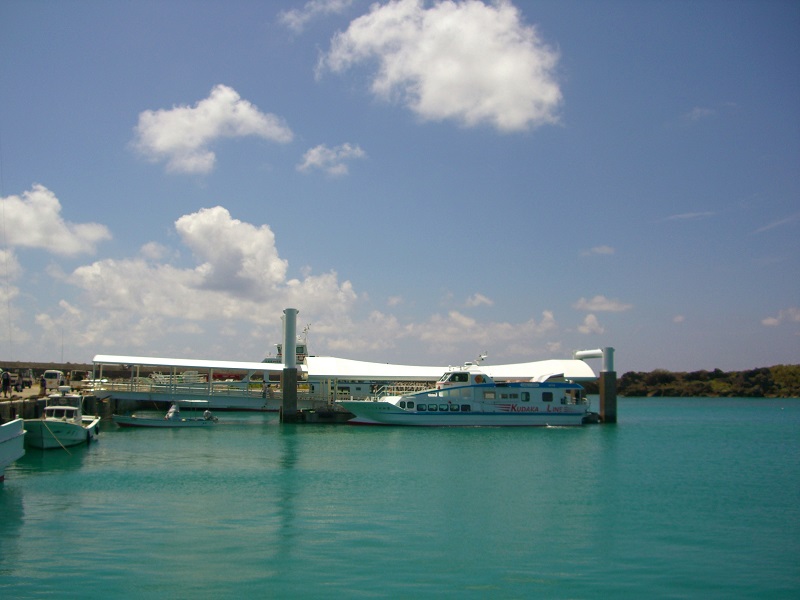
[(469, 398)]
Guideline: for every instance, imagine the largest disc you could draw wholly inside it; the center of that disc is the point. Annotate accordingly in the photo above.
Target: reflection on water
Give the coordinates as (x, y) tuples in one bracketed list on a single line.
[(12, 516), (37, 460), (287, 489), (676, 496)]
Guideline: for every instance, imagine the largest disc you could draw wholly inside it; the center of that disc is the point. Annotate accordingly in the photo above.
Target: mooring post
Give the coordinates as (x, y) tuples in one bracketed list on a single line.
[(289, 404), (289, 381), (608, 388)]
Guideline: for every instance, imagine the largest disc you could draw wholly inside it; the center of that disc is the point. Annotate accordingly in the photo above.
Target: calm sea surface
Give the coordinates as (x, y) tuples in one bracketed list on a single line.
[(683, 498)]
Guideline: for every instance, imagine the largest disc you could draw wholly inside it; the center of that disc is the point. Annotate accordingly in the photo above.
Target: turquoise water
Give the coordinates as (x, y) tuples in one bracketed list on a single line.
[(683, 498)]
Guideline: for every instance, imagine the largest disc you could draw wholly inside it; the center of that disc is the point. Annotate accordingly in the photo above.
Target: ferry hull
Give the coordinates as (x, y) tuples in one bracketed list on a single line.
[(386, 413)]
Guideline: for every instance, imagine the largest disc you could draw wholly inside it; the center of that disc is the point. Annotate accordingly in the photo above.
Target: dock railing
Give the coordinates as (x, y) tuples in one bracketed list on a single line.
[(254, 390)]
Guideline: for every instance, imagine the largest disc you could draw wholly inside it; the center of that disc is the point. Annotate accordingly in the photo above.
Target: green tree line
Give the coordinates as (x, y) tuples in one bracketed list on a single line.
[(780, 381)]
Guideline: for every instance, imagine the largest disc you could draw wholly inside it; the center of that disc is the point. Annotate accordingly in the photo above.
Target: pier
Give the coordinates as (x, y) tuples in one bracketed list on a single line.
[(607, 382)]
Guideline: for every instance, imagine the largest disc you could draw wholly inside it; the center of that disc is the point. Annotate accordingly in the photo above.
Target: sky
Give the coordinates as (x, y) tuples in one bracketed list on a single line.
[(423, 181)]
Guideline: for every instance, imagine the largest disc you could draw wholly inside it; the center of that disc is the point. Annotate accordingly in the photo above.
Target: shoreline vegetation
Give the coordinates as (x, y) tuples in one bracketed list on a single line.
[(779, 381)]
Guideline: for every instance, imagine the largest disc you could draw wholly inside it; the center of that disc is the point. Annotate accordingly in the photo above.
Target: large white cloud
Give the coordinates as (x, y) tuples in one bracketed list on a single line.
[(237, 257), (181, 135), (467, 61), (239, 276), (34, 220)]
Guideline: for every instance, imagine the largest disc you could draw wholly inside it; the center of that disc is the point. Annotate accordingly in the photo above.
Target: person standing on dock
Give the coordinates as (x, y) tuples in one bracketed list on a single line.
[(6, 377)]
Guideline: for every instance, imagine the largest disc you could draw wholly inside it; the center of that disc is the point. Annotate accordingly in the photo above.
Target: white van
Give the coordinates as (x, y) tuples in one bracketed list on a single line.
[(53, 379)]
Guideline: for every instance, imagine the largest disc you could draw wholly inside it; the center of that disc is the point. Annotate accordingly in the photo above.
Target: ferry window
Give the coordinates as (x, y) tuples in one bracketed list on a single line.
[(547, 396), (504, 396), (443, 407), (432, 407), (466, 392), (454, 408), (402, 404), (513, 396), (422, 407), (410, 404), (488, 395), (465, 408), (460, 377), (526, 396)]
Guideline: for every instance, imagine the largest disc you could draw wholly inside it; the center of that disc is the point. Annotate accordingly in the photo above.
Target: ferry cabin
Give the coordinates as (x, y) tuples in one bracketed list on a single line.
[(456, 395)]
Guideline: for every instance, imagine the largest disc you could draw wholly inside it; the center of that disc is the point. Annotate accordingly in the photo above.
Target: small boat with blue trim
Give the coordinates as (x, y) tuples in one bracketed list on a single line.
[(62, 424), (172, 419), (468, 397)]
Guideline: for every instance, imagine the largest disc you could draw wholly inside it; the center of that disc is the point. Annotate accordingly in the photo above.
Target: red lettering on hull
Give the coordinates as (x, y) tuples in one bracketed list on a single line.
[(516, 408)]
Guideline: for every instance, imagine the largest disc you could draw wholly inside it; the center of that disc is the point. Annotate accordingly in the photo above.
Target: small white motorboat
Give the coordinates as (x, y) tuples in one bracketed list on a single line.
[(63, 423), (173, 418)]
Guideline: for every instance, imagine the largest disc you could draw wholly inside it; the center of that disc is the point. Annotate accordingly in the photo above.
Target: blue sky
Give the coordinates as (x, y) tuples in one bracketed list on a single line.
[(424, 181)]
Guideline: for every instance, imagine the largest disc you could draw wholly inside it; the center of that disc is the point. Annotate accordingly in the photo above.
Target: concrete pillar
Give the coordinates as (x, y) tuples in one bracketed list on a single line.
[(289, 382), (608, 396), (289, 403)]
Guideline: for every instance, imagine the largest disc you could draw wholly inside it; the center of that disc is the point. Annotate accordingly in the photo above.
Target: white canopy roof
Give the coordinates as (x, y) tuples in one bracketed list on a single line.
[(328, 367), (186, 363)]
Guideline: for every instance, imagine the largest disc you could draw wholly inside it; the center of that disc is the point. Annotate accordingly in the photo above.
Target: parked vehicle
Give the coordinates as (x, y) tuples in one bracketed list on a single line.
[(53, 379), (26, 375)]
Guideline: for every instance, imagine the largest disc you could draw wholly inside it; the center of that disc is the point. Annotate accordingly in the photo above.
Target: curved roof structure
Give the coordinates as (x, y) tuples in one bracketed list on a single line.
[(328, 367), (186, 363)]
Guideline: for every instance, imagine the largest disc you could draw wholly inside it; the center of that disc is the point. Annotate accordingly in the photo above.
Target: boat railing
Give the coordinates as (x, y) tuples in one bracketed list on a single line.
[(401, 389)]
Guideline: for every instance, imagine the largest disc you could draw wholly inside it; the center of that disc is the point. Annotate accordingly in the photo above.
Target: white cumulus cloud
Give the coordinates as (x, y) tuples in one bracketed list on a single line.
[(601, 304), (296, 19), (444, 334), (34, 220), (181, 136), (478, 300), (466, 61), (787, 315), (238, 275), (591, 325), (330, 160)]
